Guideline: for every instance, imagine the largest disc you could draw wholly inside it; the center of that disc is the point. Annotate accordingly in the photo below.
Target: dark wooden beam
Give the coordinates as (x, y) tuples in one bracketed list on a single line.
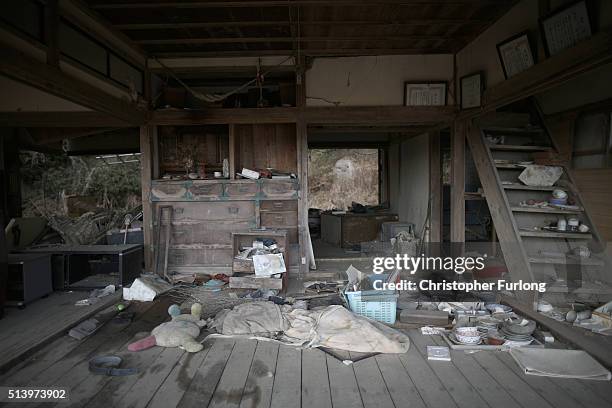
[(312, 52), (50, 79), (45, 136), (257, 40), (379, 115), (60, 119), (392, 24), (221, 116), (435, 188), (337, 115), (284, 3), (551, 72)]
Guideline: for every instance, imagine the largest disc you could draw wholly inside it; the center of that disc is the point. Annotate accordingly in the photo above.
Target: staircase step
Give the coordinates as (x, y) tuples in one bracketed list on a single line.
[(552, 234), (510, 166), (566, 260), (517, 186), (545, 210), (519, 148)]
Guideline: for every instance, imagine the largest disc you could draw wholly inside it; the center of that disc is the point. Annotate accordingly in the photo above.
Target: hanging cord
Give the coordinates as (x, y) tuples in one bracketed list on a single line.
[(206, 97)]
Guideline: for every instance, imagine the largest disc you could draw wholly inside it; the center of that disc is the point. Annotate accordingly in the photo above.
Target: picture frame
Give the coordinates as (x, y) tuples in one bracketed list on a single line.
[(566, 27), (515, 54), (429, 93), (471, 87)]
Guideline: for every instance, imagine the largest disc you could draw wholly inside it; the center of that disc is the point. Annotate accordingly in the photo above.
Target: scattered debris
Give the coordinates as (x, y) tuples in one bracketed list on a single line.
[(146, 288), (540, 176), (95, 296), (438, 353)]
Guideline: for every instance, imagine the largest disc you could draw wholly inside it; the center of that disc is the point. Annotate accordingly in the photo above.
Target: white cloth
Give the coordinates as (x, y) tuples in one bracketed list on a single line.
[(331, 327), (559, 363)]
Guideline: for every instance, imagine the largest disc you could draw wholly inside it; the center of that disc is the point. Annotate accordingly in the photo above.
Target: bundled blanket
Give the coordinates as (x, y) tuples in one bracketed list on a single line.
[(331, 327)]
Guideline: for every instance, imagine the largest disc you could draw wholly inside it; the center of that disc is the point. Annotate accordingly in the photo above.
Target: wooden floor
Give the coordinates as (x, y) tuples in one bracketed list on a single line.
[(24, 330), (248, 374)]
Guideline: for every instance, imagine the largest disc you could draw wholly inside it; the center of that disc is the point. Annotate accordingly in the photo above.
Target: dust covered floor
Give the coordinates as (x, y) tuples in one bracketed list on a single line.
[(249, 373)]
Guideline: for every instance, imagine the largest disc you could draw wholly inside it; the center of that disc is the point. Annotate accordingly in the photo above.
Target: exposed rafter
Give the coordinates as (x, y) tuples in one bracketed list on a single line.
[(50, 79)]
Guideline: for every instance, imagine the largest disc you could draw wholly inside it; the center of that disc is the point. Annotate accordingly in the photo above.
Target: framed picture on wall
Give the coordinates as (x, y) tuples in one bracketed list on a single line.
[(515, 54), (471, 87), (424, 93), (566, 27)]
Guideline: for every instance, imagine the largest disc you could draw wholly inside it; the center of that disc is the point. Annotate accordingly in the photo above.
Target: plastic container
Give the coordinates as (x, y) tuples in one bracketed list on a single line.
[(379, 305)]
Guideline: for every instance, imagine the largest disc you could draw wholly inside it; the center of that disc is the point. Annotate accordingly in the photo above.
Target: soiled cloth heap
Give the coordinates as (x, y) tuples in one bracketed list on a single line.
[(333, 327)]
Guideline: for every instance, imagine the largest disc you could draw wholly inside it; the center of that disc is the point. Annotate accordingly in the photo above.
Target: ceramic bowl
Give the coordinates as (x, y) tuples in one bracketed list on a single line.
[(467, 335)]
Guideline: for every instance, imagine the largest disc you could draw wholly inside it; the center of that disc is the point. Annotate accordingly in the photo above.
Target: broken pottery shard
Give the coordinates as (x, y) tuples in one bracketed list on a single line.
[(540, 176)]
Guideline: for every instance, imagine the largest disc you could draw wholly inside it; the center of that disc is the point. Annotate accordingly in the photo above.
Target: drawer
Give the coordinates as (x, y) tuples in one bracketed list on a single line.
[(279, 189), (224, 211), (167, 191), (279, 205), (208, 232), (241, 190), (206, 191), (200, 257), (279, 219)]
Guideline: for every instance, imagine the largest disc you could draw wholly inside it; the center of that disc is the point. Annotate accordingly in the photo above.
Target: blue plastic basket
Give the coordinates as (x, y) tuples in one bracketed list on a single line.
[(379, 305)]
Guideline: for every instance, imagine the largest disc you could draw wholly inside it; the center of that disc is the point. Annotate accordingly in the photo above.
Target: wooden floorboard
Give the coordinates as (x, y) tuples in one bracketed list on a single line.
[(204, 383), (372, 386), (343, 384), (562, 392), (401, 388), (23, 332), (430, 387), (515, 385), (315, 380), (258, 388), (489, 389), (173, 388), (286, 391), (230, 389), (459, 388), (261, 374)]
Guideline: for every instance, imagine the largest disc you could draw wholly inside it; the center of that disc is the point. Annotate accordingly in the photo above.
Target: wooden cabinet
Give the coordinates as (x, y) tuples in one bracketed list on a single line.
[(206, 212)]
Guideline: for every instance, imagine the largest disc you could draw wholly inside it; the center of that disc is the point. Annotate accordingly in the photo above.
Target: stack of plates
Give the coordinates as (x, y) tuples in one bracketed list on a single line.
[(519, 332)]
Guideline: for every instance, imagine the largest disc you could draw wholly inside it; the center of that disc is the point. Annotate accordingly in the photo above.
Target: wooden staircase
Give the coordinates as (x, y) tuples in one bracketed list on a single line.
[(533, 253)]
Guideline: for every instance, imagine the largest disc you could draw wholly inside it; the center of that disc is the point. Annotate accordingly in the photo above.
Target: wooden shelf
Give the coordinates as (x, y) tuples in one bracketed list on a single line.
[(519, 148), (510, 166), (551, 234), (518, 186), (546, 210)]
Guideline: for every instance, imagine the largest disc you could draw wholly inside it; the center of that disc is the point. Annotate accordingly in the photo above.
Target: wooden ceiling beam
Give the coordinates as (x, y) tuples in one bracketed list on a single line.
[(276, 23), (283, 3), (335, 115), (62, 119), (313, 52), (30, 71), (256, 40)]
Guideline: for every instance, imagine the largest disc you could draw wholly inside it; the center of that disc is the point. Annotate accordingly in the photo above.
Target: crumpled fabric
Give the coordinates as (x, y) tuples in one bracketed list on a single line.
[(331, 327), (251, 318)]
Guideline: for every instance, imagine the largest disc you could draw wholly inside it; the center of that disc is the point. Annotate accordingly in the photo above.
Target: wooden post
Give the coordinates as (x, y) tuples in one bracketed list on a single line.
[(457, 199), (232, 151), (301, 128), (435, 188), (147, 136)]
